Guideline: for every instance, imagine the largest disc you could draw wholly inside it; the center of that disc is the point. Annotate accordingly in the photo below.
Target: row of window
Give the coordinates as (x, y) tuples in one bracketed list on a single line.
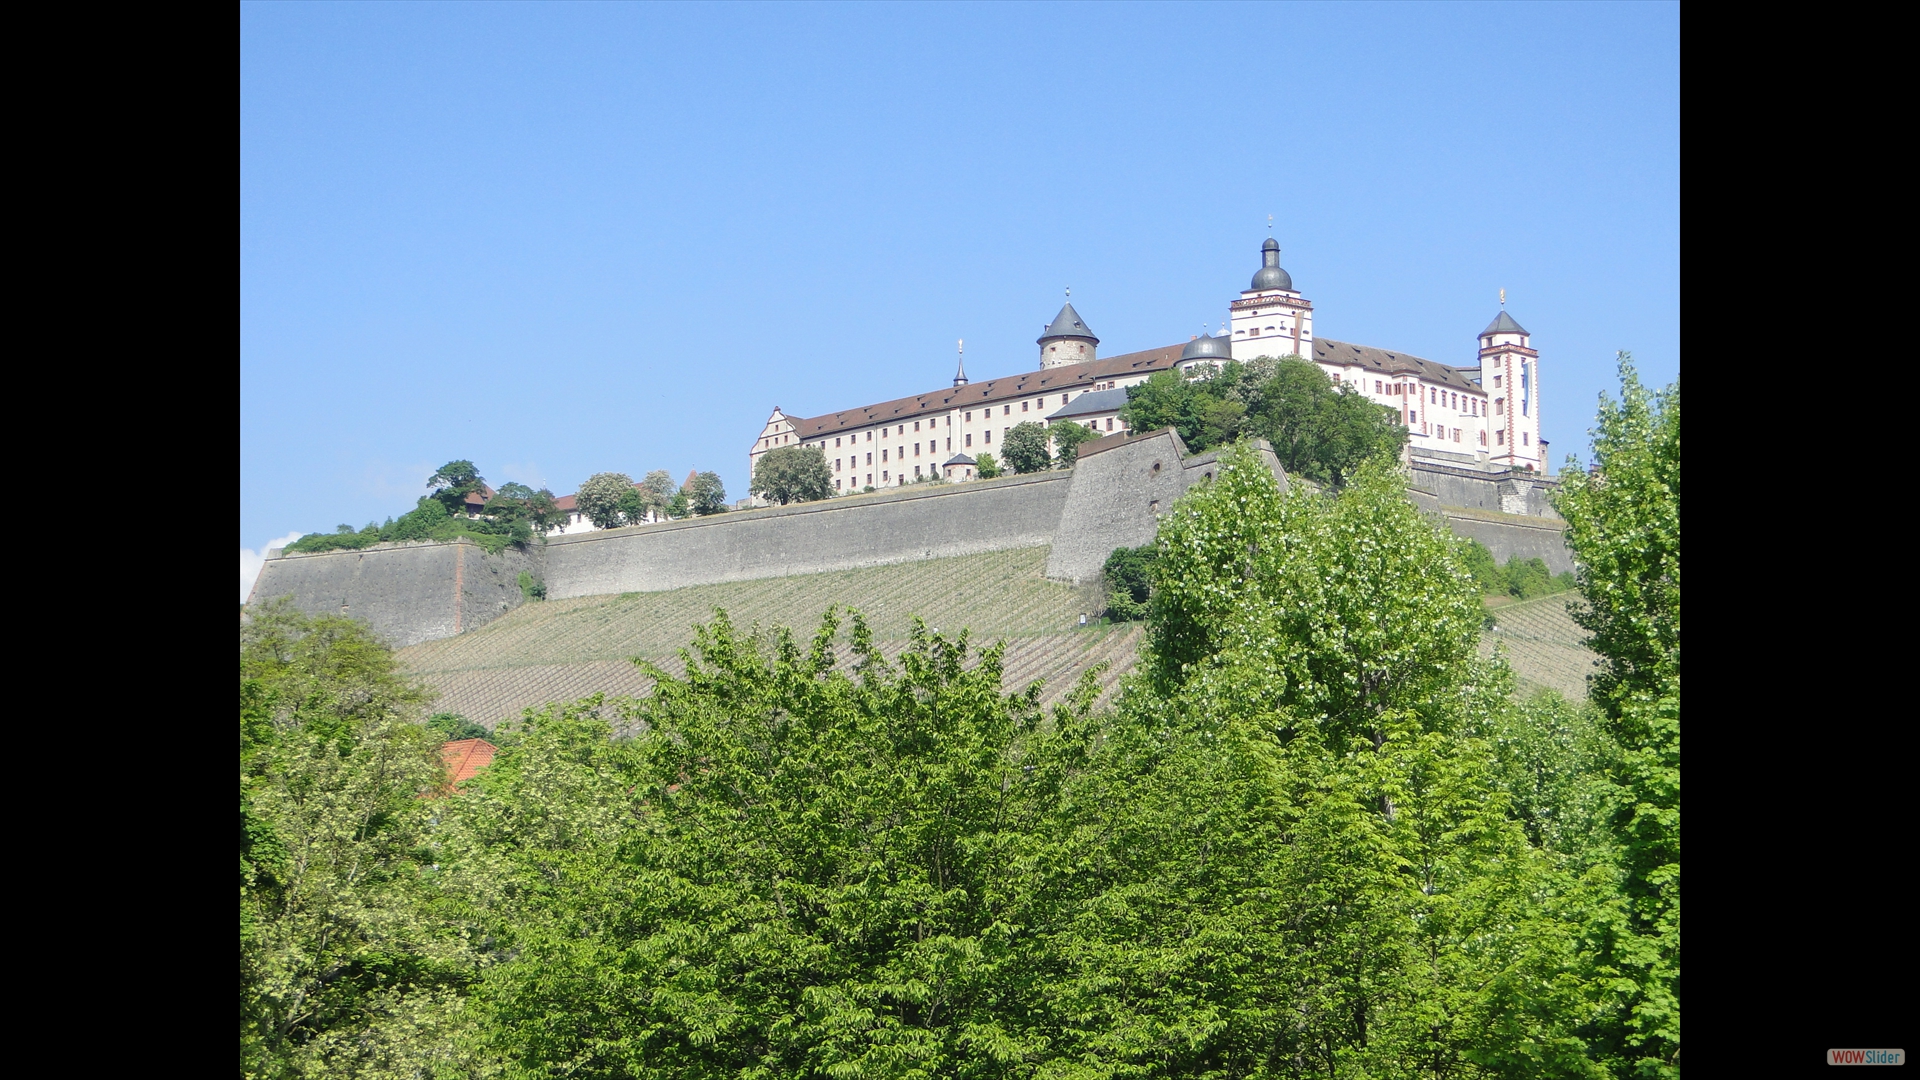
[(1441, 431), (901, 429)]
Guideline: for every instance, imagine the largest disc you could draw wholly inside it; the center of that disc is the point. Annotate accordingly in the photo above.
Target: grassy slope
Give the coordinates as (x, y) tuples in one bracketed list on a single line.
[(565, 649)]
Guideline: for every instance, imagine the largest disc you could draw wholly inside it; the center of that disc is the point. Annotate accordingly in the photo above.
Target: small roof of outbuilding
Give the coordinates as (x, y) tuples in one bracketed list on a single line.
[(1067, 324), (1091, 402), (959, 459), (465, 757), (1503, 324)]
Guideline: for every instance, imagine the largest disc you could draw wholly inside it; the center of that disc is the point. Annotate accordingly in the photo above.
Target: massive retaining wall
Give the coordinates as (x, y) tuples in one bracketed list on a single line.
[(1523, 493), (408, 593), (837, 534), (1113, 497)]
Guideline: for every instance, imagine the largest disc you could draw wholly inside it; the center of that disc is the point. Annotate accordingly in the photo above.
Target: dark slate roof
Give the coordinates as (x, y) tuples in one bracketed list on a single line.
[(1093, 401), (1208, 347), (1067, 324), (974, 395), (1384, 363), (1270, 275), (1503, 324), (959, 459)]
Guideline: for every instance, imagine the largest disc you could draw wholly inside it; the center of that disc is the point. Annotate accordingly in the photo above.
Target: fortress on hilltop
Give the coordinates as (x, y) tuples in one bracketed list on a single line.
[(1484, 418), (1017, 558)]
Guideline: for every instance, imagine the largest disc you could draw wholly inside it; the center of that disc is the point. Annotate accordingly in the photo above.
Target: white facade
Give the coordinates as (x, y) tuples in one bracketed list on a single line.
[(1271, 323), (1489, 415)]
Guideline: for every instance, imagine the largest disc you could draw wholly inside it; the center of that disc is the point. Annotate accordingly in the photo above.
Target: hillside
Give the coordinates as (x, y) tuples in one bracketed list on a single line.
[(560, 650), (564, 649), (1542, 643)]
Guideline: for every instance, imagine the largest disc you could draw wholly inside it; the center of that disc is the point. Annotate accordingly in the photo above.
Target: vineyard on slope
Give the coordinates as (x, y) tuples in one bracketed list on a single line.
[(561, 650)]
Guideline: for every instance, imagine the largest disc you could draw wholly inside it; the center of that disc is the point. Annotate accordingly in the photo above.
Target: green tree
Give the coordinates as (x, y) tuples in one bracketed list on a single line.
[(633, 505), (1167, 399), (451, 726), (1309, 866), (707, 495), (453, 482), (517, 504), (1067, 437), (661, 484), (343, 969), (1623, 525), (1129, 577), (789, 474), (600, 497), (985, 467), (1318, 430), (1025, 448), (795, 869)]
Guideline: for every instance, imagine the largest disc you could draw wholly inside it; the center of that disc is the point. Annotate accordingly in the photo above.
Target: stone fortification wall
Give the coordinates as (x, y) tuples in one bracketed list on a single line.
[(1511, 535), (1501, 493), (838, 534), (1113, 497), (1121, 486), (408, 593)]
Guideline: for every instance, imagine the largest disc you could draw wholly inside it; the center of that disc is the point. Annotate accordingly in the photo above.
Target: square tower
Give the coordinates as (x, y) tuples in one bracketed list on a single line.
[(1510, 375)]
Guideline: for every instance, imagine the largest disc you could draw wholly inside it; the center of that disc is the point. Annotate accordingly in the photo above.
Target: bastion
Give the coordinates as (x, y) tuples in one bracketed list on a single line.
[(1112, 497)]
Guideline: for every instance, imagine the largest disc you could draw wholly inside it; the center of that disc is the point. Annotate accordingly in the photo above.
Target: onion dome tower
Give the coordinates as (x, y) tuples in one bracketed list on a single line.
[(1067, 340), (1271, 308), (1270, 276)]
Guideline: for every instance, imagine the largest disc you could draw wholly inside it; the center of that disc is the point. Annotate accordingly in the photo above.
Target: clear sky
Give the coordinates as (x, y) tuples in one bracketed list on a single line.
[(566, 239)]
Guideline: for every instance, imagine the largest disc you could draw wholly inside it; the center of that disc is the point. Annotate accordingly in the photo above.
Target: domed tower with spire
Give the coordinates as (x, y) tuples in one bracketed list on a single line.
[(1270, 308), (1510, 375), (1067, 340)]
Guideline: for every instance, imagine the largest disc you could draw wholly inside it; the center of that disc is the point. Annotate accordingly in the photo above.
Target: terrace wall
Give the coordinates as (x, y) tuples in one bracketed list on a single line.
[(413, 593)]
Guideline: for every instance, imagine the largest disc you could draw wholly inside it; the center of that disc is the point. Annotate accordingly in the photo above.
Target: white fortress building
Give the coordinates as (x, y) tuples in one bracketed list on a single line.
[(1486, 416)]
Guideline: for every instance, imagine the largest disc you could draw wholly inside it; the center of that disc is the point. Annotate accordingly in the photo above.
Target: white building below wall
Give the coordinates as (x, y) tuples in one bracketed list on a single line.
[(1485, 416)]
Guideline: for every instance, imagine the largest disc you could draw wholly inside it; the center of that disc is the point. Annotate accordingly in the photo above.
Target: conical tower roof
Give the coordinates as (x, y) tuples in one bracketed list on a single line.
[(1067, 324), (1504, 324)]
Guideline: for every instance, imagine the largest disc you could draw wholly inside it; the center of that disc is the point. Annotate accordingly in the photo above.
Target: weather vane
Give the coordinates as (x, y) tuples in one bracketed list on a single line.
[(1503, 298), (1269, 224)]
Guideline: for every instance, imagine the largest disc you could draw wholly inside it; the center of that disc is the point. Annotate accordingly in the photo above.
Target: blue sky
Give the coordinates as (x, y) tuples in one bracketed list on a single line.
[(565, 239)]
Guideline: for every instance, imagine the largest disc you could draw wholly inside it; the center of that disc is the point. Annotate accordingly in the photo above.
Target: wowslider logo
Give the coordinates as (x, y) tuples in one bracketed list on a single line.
[(1866, 1057)]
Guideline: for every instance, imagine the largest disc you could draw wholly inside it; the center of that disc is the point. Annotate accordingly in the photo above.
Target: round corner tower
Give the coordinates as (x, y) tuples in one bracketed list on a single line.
[(1067, 340)]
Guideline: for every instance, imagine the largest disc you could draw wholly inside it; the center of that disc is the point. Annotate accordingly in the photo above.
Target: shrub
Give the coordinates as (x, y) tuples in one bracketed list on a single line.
[(1129, 574)]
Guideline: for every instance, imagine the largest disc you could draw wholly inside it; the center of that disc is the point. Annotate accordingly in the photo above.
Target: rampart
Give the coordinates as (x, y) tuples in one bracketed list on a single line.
[(1118, 488), (408, 593)]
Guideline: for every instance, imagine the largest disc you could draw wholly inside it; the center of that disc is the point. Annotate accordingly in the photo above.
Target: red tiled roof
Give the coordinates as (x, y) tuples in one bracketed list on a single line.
[(1046, 380), (465, 757)]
